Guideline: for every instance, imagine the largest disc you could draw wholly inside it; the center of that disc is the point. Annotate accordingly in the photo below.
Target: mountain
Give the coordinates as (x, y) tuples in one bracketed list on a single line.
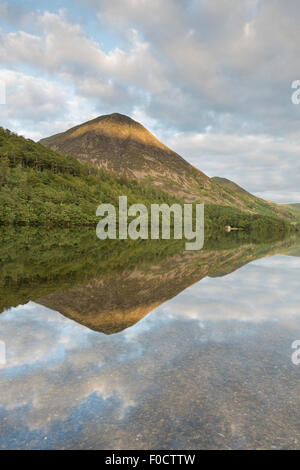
[(118, 143)]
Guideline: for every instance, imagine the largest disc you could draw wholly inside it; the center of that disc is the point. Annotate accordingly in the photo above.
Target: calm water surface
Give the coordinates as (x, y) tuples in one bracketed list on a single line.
[(210, 368)]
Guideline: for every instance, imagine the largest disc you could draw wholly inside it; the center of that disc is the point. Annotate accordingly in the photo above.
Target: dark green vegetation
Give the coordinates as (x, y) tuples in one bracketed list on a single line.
[(39, 186), (258, 227)]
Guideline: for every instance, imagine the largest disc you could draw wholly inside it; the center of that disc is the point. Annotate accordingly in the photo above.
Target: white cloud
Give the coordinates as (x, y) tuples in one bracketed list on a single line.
[(259, 163), (36, 106), (187, 67)]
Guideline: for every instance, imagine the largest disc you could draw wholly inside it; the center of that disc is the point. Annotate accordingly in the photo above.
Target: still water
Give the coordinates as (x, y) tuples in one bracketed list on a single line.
[(206, 365)]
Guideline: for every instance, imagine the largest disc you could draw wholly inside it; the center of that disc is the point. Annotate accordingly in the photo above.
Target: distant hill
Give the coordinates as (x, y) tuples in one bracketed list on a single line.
[(295, 206), (260, 206), (252, 201), (294, 209), (230, 185)]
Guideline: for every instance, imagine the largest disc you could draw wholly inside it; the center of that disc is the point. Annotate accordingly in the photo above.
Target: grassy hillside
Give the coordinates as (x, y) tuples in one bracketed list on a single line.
[(231, 185), (294, 209), (39, 186)]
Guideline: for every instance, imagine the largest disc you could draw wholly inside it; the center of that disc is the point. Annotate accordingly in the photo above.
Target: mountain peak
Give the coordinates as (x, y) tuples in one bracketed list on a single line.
[(117, 118), (108, 123)]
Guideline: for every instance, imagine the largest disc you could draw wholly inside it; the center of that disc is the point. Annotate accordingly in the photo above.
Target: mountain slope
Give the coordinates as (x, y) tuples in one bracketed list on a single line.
[(231, 185), (117, 142), (39, 186), (294, 209)]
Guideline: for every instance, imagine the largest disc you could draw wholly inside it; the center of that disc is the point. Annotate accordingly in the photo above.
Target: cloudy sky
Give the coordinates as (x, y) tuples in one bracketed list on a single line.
[(211, 78)]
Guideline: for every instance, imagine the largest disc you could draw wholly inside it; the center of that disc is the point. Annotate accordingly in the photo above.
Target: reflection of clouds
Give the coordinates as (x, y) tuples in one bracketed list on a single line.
[(212, 360), (55, 364), (46, 341), (278, 261), (254, 293)]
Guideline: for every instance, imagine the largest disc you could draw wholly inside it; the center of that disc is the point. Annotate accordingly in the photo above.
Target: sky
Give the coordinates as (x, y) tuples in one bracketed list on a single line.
[(211, 78)]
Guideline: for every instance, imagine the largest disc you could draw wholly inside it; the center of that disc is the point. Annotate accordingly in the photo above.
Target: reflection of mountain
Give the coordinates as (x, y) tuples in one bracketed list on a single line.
[(110, 286), (112, 304)]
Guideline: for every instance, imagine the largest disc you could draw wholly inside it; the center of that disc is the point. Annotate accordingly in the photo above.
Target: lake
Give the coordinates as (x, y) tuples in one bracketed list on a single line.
[(148, 347)]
